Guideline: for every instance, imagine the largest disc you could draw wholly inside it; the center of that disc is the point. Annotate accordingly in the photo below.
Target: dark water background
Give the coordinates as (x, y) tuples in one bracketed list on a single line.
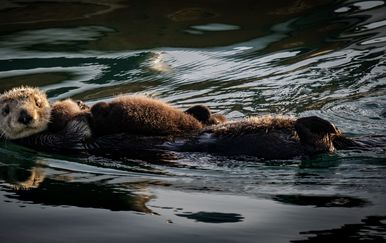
[(241, 58)]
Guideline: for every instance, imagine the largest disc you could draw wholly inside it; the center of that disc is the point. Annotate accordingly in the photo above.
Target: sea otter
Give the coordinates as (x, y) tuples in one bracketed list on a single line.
[(25, 111), (149, 124), (269, 137)]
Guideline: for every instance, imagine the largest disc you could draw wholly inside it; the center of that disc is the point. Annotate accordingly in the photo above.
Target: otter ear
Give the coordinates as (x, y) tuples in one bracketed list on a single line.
[(100, 109), (200, 112)]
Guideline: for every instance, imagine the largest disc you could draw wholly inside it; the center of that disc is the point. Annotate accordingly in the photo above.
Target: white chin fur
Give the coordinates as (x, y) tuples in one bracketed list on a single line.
[(23, 132)]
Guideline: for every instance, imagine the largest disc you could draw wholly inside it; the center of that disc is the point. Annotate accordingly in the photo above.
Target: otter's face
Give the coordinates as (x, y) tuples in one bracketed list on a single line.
[(23, 112)]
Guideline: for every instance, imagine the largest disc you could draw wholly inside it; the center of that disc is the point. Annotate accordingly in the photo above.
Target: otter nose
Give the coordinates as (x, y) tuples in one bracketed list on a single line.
[(24, 117)]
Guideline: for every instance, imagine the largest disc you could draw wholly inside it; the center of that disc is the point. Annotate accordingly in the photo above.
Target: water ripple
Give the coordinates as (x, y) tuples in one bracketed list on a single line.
[(331, 65)]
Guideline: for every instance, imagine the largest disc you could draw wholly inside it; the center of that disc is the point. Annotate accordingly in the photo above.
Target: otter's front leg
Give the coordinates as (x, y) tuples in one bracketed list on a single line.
[(73, 136), (82, 106)]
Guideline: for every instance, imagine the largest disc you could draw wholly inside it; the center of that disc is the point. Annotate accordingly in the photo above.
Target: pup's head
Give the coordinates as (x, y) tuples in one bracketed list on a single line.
[(24, 111)]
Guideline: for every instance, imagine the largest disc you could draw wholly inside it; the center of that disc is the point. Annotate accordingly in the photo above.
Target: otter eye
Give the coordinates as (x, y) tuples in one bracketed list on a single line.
[(5, 110)]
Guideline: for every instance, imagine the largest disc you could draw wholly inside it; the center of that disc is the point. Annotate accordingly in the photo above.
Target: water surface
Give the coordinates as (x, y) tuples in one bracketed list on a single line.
[(300, 58)]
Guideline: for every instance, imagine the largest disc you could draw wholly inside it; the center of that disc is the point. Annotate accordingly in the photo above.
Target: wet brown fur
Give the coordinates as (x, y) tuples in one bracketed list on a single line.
[(141, 115), (64, 111), (270, 137), (126, 114), (316, 134), (263, 136), (203, 114), (253, 124), (215, 119)]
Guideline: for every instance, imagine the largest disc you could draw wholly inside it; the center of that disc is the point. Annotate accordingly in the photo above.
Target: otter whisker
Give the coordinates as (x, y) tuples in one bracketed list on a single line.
[(3, 137)]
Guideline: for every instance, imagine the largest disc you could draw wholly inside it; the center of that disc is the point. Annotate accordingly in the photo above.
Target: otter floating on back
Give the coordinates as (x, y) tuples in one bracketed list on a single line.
[(130, 123)]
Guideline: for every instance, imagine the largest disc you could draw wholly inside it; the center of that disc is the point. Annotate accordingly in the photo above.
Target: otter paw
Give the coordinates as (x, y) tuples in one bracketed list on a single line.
[(82, 105)]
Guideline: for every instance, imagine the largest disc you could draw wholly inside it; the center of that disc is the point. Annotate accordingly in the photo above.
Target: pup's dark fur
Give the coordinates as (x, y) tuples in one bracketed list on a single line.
[(141, 115), (64, 111), (269, 137), (205, 116)]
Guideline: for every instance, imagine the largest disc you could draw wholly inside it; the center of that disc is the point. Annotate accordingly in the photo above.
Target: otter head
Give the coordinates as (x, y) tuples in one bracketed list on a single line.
[(24, 111), (316, 134), (203, 114)]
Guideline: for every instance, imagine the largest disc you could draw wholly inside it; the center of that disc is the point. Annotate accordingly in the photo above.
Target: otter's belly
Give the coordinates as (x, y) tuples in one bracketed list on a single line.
[(273, 145)]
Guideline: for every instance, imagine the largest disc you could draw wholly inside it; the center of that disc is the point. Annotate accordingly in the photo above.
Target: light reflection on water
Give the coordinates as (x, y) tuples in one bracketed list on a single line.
[(329, 62)]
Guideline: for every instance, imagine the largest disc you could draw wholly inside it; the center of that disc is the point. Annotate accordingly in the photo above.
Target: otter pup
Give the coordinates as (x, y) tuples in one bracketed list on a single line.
[(141, 123), (141, 115)]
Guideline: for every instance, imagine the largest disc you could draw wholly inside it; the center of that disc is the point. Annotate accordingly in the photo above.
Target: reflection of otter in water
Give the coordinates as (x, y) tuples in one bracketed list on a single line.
[(140, 123), (95, 195), (213, 217), (22, 178), (27, 180), (32, 186)]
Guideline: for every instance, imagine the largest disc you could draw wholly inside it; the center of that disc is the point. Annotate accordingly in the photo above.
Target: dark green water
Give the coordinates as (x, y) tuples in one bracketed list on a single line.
[(241, 58)]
